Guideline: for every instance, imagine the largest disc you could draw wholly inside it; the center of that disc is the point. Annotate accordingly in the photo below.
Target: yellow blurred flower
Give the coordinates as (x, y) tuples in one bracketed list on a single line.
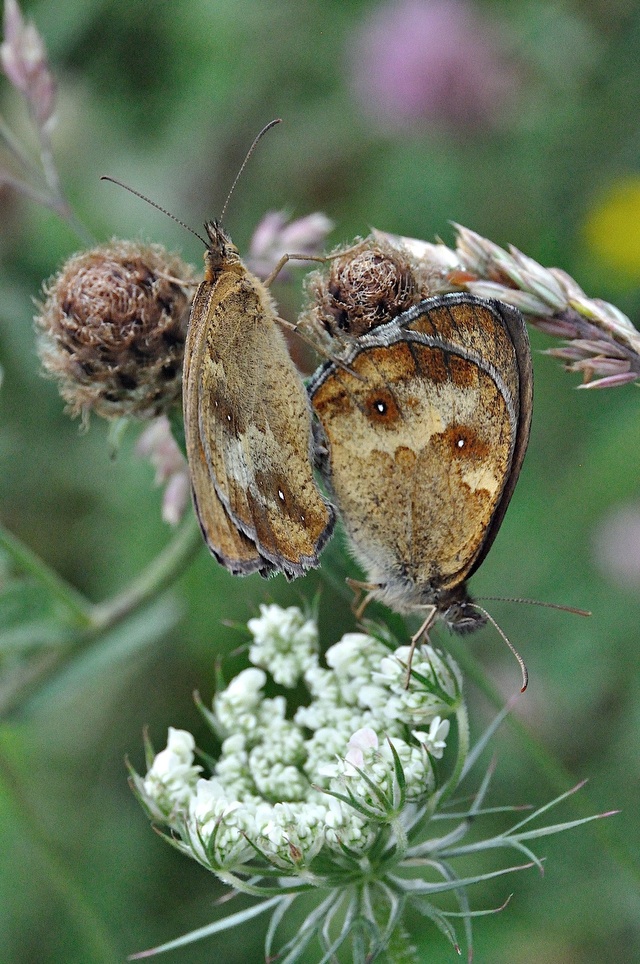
[(612, 228)]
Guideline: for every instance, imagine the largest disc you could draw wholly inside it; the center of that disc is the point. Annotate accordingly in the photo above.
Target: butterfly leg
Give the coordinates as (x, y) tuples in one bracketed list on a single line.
[(358, 604), (316, 344), (320, 258), (422, 633), (292, 257)]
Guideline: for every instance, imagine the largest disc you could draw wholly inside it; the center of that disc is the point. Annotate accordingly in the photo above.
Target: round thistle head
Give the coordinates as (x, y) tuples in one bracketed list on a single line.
[(112, 329), (365, 285)]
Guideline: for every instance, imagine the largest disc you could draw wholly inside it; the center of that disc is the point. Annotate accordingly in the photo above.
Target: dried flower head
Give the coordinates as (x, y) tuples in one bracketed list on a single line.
[(112, 329), (365, 285)]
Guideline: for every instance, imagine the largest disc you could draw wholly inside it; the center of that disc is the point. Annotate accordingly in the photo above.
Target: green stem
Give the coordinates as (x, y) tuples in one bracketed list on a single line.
[(559, 777), (77, 606), (158, 575), (59, 201), (63, 210), (90, 619), (14, 145), (99, 944), (34, 194), (96, 618), (464, 741)]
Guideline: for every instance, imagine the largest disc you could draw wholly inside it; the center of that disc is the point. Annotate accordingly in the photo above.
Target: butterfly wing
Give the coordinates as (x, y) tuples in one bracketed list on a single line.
[(254, 425), (225, 541), (494, 334), (422, 432)]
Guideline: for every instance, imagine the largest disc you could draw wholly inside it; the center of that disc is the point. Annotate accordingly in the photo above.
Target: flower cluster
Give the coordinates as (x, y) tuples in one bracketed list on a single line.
[(325, 778), (341, 800)]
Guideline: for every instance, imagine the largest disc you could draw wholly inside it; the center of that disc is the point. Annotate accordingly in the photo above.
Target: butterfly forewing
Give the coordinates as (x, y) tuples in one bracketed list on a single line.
[(247, 421)]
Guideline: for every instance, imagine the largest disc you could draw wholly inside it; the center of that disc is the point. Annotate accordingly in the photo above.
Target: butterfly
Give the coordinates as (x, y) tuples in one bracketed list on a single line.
[(424, 425), (248, 426), (247, 419)]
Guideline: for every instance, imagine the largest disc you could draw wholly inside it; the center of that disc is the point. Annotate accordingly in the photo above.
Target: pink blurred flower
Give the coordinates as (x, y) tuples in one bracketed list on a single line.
[(434, 61), (158, 445), (24, 60)]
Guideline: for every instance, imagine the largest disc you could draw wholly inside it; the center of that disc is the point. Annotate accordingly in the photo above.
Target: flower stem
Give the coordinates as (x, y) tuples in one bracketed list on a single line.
[(14, 145), (91, 619), (59, 201), (464, 740), (159, 574), (558, 776)]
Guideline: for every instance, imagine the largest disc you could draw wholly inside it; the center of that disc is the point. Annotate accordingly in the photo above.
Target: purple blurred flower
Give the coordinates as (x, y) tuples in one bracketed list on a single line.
[(432, 61), (277, 235), (158, 445), (24, 61)]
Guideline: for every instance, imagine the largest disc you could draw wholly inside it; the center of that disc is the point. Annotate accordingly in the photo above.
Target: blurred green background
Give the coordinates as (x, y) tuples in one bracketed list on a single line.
[(517, 119)]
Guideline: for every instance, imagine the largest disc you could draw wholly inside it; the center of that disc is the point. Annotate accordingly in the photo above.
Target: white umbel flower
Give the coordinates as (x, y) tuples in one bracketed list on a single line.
[(171, 779), (325, 776), (285, 642), (435, 740)]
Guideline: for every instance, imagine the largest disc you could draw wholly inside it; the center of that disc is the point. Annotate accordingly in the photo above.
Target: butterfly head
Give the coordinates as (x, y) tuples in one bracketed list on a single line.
[(221, 253), (458, 611)]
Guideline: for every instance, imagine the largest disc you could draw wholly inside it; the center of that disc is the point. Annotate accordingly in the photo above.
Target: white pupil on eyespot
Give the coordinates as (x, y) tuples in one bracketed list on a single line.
[(460, 443), (228, 418), (281, 495), (381, 407)]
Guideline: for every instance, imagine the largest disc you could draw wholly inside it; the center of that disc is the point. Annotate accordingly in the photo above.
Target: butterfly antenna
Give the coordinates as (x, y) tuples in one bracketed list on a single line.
[(523, 665), (259, 137), (143, 197), (536, 602)]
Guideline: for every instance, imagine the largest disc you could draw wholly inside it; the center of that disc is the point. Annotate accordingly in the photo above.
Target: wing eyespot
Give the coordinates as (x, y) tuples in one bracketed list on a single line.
[(381, 408)]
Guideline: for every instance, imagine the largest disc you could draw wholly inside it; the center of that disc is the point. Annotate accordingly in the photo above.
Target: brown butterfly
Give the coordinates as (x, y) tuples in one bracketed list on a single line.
[(425, 425), (248, 426), (247, 419)]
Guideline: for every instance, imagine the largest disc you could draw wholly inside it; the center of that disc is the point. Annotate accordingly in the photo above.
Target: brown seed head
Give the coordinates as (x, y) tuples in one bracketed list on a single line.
[(112, 329), (365, 285), (363, 288)]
